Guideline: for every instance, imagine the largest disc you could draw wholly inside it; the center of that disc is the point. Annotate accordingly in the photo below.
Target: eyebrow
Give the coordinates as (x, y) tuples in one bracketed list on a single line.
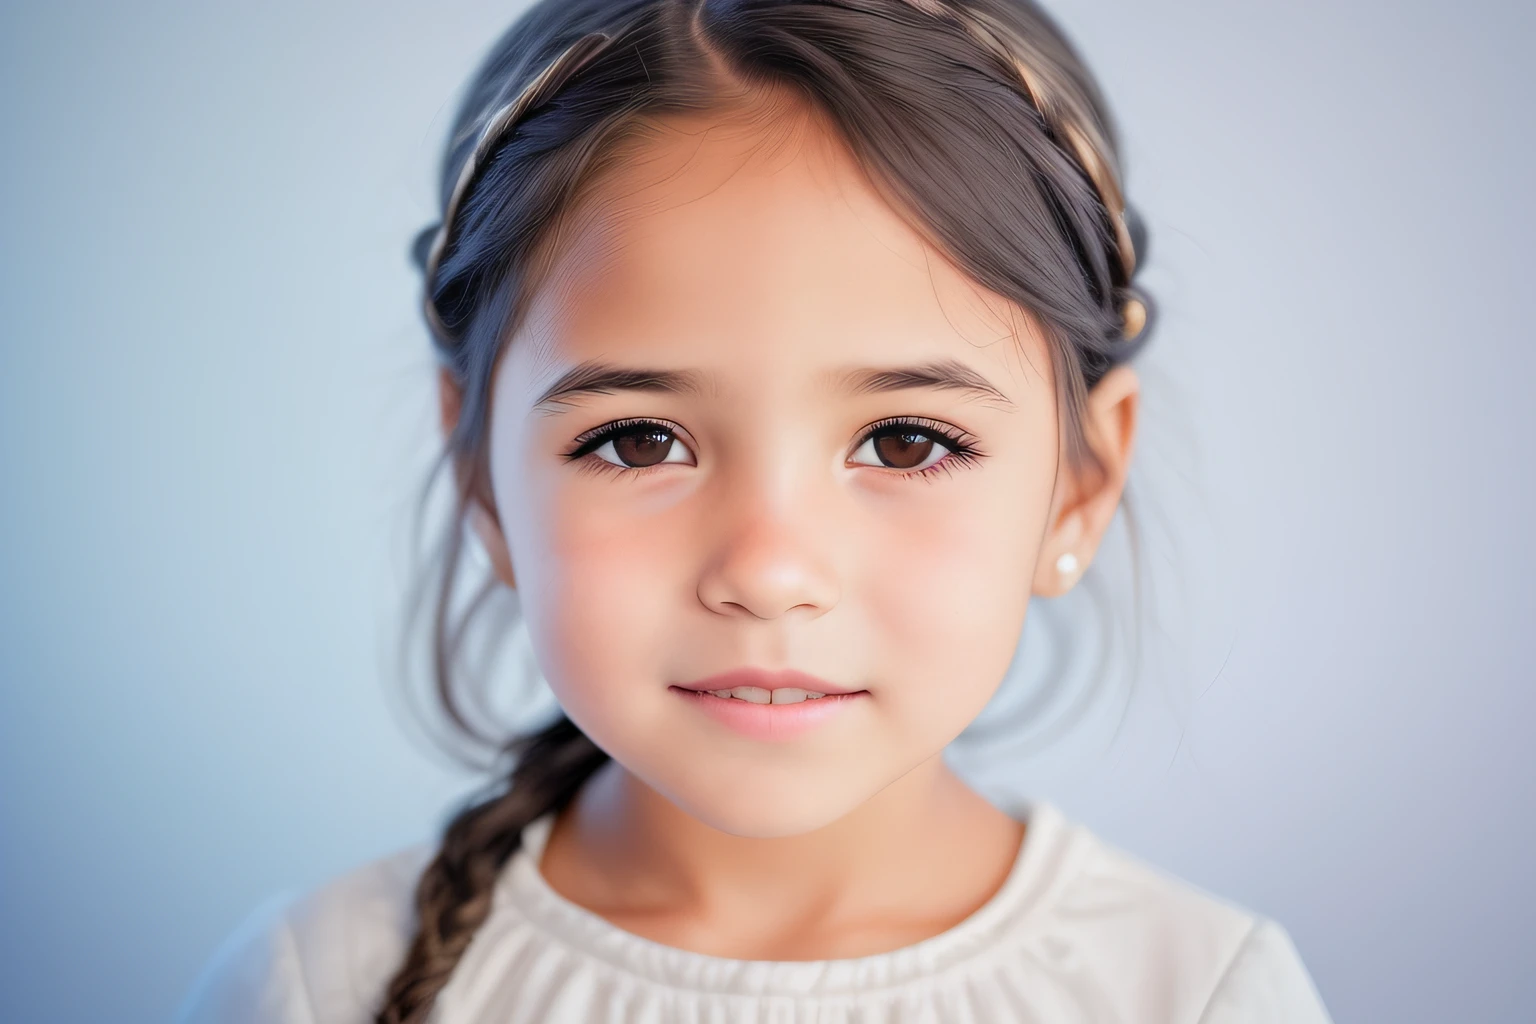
[(943, 375), (601, 378)]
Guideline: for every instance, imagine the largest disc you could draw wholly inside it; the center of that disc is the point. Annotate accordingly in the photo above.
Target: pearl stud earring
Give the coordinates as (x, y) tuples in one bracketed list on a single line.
[(1067, 564)]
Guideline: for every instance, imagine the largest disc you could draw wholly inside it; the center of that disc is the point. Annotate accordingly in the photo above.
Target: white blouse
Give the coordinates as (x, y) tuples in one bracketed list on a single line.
[(1079, 931)]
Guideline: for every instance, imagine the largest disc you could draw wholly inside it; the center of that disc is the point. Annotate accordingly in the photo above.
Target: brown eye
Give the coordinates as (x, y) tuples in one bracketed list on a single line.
[(642, 445), (901, 447), (643, 448), (903, 451)]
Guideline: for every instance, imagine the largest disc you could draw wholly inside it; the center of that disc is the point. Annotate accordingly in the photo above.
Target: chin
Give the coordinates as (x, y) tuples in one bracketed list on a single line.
[(766, 808), (787, 818)]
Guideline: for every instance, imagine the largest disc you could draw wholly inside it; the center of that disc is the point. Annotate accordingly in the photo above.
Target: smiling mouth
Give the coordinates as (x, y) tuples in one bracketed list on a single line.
[(772, 706), (762, 686), (760, 695)]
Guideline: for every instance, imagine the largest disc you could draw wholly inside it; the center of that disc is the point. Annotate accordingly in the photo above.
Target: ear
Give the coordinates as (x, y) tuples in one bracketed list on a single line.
[(480, 510), (1086, 501)]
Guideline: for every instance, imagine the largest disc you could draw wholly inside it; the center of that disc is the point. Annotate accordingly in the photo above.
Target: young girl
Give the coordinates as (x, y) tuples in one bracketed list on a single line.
[(784, 357)]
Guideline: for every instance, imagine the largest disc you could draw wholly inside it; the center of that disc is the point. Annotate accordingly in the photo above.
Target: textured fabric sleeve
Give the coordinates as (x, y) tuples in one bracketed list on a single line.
[(1266, 983), (254, 977)]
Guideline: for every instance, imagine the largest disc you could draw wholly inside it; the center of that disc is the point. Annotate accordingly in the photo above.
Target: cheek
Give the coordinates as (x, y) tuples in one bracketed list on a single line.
[(597, 579), (947, 585)]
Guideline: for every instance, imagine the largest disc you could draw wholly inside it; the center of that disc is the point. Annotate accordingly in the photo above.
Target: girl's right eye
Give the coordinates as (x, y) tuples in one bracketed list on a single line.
[(633, 444)]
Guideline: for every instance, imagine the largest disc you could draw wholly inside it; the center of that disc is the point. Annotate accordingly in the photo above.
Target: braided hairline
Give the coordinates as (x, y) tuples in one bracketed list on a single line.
[(1086, 142), (543, 85)]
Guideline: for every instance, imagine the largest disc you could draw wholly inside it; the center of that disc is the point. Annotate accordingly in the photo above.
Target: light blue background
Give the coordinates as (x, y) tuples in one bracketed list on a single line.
[(215, 406)]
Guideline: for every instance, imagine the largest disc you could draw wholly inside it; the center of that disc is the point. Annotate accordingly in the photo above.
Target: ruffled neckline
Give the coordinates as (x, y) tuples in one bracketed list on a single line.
[(1046, 859)]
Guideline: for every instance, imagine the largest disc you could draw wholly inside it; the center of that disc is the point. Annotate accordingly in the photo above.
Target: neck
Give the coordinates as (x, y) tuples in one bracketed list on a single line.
[(919, 856)]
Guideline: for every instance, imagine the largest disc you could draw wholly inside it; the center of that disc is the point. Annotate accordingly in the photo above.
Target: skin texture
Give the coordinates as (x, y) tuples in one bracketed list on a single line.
[(751, 251)]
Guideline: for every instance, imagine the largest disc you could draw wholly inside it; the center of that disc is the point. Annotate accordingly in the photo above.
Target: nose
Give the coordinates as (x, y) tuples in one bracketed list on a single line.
[(770, 560)]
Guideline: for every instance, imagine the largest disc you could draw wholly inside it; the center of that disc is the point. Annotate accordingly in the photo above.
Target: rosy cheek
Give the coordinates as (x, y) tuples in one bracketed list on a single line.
[(924, 591), (942, 582), (600, 604)]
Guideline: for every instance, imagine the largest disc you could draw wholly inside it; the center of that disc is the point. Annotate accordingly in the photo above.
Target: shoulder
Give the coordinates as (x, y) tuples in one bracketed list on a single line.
[(1170, 948), (1265, 983), (321, 957)]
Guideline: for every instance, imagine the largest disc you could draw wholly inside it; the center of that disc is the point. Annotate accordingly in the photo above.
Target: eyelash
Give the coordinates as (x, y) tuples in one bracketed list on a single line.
[(962, 447)]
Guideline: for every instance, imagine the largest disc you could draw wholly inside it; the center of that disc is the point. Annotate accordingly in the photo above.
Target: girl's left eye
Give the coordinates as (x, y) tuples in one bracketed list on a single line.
[(910, 446)]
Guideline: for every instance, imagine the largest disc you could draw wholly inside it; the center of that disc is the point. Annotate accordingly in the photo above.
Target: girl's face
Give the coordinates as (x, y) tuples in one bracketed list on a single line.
[(753, 421)]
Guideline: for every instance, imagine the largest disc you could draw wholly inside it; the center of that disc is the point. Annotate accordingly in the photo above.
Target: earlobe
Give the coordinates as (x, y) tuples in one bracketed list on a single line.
[(1079, 526), (1063, 557)]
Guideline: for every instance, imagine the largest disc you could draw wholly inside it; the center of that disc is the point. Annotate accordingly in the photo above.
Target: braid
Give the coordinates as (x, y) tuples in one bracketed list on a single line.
[(453, 897), (1071, 110)]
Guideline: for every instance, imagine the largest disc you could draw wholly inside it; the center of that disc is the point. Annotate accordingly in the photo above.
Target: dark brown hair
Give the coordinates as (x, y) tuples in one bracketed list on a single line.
[(976, 118)]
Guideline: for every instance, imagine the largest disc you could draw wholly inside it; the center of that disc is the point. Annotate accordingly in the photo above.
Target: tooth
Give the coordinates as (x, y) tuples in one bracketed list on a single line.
[(724, 694), (788, 695), (755, 694), (813, 696)]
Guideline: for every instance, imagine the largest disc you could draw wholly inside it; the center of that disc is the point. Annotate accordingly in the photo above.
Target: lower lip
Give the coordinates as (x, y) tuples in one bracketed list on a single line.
[(770, 721)]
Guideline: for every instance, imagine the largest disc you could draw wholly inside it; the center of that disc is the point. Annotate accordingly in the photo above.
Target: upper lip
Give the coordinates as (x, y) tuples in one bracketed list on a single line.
[(767, 679)]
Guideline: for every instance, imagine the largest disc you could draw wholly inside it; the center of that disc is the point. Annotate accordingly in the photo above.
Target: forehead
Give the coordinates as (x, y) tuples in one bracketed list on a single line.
[(753, 246)]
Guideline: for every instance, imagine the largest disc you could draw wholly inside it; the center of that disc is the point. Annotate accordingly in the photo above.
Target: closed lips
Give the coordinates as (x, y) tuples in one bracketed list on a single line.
[(753, 685)]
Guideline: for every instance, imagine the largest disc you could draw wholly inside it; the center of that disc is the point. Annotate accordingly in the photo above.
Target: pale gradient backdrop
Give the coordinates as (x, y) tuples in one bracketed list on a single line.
[(215, 406)]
